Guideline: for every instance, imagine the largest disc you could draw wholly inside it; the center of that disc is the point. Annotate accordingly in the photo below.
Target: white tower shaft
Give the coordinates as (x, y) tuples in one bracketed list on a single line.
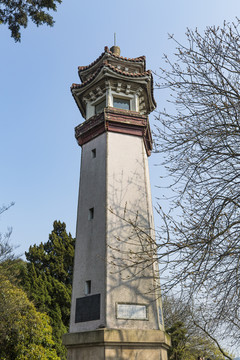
[(114, 188), (116, 309)]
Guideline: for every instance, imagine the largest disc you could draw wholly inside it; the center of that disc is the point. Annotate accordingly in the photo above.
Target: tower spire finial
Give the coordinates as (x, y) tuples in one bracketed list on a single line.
[(115, 49)]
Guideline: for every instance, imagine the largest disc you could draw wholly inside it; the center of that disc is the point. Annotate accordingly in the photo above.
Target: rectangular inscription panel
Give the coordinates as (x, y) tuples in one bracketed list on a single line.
[(132, 311), (87, 308)]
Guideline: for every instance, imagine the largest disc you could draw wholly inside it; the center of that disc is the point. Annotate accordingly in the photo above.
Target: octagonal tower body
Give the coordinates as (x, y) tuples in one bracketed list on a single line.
[(115, 283)]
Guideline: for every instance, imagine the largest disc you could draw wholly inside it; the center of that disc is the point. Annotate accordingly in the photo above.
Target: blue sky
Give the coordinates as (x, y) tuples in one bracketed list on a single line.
[(40, 159)]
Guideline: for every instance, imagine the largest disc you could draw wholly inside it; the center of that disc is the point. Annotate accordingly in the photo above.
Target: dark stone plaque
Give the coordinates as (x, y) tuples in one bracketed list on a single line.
[(88, 308)]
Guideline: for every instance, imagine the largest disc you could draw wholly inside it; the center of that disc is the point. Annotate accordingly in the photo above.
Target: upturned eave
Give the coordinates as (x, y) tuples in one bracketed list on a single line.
[(86, 71), (107, 71)]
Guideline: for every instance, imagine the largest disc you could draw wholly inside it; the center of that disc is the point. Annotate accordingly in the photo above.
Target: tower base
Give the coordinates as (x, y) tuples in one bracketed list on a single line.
[(117, 344)]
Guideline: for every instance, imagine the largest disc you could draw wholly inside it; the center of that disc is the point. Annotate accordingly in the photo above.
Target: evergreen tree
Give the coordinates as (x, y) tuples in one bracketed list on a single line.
[(47, 279), (16, 14)]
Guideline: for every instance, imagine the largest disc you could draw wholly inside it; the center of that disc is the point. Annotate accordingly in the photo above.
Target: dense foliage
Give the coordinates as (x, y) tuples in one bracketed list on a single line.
[(47, 279), (35, 297), (17, 13), (25, 334)]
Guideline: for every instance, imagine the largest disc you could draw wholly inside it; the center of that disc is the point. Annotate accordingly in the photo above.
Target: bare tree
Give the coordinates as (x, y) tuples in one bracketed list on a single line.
[(198, 245), (8, 260), (189, 332), (6, 250), (199, 139)]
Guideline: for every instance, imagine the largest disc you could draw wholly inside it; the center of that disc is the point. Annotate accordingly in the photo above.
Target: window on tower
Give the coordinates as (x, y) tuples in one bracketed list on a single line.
[(100, 106), (93, 153), (121, 103), (91, 214), (88, 287)]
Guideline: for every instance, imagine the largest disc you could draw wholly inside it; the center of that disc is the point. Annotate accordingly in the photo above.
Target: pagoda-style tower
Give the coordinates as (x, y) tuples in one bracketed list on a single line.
[(116, 308)]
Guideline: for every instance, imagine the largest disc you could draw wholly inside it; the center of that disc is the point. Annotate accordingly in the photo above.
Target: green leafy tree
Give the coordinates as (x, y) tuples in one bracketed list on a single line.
[(178, 334), (47, 279), (17, 13), (25, 334)]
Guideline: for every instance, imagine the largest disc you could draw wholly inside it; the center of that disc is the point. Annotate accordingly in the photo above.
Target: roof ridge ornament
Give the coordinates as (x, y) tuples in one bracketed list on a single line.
[(115, 49)]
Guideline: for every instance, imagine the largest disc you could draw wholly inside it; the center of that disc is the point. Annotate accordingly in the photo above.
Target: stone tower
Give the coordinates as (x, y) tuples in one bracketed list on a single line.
[(116, 308)]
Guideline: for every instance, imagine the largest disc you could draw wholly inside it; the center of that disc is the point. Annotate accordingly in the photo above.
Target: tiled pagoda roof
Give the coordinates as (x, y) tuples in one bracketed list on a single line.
[(110, 53), (115, 69), (109, 67)]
